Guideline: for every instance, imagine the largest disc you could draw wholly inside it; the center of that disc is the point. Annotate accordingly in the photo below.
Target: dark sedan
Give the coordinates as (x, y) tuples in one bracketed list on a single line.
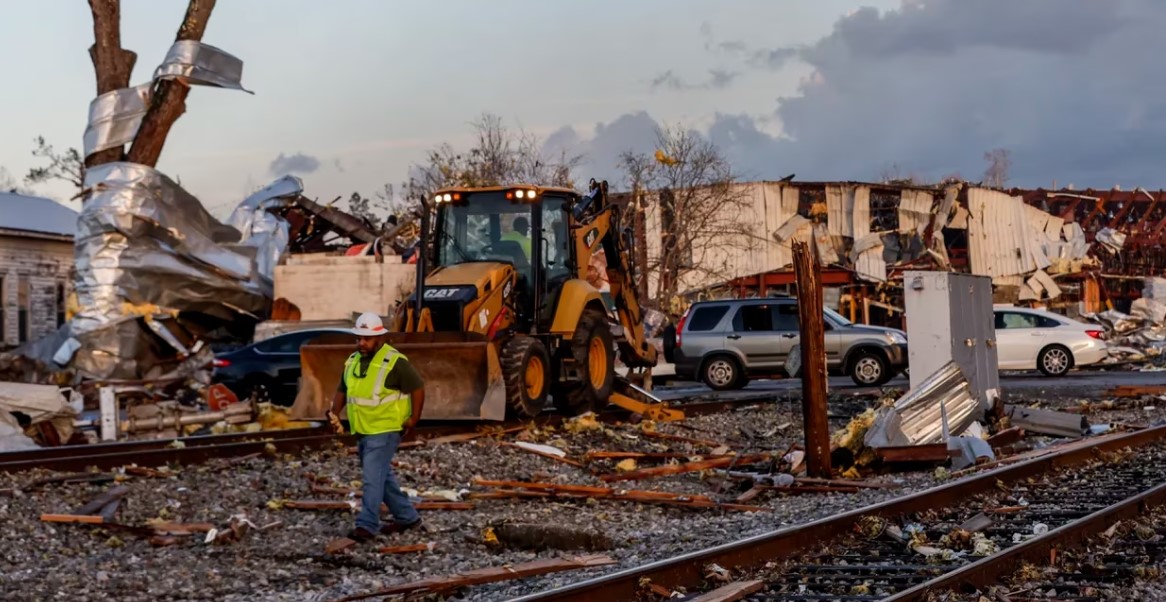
[(271, 368)]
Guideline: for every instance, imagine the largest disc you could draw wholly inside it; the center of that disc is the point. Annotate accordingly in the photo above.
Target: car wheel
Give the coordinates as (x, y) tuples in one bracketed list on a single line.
[(721, 373), (1054, 360), (870, 370)]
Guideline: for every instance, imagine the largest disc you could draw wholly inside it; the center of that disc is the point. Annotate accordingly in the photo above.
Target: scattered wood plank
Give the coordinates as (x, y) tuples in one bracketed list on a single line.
[(419, 547), (96, 504), (1136, 390), (152, 473), (1006, 437), (659, 471), (538, 452), (748, 496), (443, 505), (72, 518), (930, 453), (489, 575), (161, 541), (506, 494), (731, 592), (181, 528), (339, 545)]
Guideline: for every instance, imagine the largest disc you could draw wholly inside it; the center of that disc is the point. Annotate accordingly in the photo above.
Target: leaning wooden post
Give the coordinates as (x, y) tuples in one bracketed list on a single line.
[(813, 346)]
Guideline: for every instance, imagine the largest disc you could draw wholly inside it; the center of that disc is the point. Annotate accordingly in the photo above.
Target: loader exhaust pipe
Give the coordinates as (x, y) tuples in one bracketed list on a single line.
[(419, 287)]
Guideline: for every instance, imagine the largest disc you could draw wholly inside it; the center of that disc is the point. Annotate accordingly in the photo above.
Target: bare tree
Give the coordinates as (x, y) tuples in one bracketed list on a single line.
[(703, 213), (65, 166), (999, 163), (113, 66), (499, 156), (8, 183)]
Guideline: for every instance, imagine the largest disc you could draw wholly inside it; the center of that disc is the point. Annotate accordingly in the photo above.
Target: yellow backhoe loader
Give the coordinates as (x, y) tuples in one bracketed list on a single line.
[(506, 317)]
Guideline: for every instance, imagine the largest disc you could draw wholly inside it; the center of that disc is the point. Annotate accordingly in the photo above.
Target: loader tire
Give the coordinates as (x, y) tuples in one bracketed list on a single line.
[(594, 354), (526, 373)]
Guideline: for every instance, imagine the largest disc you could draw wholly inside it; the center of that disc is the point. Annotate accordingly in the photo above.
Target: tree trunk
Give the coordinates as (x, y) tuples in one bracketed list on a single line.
[(169, 99), (111, 63)]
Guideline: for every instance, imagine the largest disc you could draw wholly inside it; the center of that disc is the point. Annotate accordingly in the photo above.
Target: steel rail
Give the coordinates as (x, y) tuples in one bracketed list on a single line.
[(687, 570), (989, 570)]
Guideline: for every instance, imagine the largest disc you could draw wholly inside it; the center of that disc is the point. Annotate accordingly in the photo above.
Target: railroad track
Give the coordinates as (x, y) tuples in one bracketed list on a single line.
[(198, 449), (913, 547)]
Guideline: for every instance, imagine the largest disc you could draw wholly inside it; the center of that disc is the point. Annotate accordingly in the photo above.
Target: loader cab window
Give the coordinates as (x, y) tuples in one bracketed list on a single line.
[(485, 227), (556, 249)]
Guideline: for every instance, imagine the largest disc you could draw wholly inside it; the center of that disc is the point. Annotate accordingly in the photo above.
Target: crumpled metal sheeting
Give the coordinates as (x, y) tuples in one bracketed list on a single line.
[(142, 239), (202, 64), (268, 233), (916, 418), (114, 117)]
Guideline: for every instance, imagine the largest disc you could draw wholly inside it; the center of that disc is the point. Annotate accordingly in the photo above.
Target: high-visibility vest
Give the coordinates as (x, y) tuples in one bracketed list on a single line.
[(373, 409), (522, 240)]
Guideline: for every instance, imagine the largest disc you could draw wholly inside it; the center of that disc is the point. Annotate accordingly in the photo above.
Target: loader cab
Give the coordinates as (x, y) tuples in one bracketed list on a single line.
[(524, 226)]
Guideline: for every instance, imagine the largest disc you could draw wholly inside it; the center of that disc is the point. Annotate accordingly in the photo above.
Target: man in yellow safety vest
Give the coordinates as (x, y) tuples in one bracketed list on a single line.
[(520, 234), (384, 396)]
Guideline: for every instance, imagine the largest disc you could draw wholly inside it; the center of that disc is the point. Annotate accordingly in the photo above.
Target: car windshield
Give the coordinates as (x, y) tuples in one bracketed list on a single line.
[(837, 317), (485, 227)]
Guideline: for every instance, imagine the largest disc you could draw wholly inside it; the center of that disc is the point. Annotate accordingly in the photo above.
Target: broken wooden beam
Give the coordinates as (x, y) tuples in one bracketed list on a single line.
[(72, 518), (929, 453), (488, 575), (417, 547), (1006, 437), (731, 592), (550, 456), (1047, 422), (660, 471)]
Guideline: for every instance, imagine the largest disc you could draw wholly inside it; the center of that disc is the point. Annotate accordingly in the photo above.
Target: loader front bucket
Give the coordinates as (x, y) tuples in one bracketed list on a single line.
[(462, 374)]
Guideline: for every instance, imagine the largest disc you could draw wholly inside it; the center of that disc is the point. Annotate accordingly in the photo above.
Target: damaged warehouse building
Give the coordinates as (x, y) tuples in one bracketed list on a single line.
[(36, 266), (1075, 252)]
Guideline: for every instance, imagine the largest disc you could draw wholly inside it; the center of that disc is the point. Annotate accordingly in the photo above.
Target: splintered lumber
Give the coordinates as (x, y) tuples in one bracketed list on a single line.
[(607, 493), (489, 575), (1006, 437), (658, 435), (731, 592), (339, 545), (418, 547), (660, 471), (181, 528), (72, 518), (539, 452)]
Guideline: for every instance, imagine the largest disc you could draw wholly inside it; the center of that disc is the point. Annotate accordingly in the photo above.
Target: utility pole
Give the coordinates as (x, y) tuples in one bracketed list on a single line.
[(813, 346)]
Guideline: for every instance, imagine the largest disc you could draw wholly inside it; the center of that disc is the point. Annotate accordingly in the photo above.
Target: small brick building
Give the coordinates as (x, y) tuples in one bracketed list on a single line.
[(36, 266)]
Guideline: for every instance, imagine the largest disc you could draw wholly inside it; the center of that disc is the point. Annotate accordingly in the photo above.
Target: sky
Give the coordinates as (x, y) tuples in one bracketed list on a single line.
[(349, 94)]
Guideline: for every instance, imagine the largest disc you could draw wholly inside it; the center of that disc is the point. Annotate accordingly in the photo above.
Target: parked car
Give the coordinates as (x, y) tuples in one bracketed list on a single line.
[(1034, 339), (727, 343), (271, 368)]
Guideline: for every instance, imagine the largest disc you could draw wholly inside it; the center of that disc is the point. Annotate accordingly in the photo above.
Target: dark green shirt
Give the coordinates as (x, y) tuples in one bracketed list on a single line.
[(403, 377)]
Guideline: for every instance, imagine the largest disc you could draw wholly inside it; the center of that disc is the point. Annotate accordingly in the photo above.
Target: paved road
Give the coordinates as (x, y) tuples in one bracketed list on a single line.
[(1082, 384)]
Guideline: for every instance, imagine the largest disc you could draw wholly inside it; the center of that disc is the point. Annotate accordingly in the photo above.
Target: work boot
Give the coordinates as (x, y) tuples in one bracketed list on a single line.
[(394, 527), (360, 535)]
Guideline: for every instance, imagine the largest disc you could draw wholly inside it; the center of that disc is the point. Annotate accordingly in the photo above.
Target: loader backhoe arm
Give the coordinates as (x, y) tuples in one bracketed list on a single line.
[(596, 211)]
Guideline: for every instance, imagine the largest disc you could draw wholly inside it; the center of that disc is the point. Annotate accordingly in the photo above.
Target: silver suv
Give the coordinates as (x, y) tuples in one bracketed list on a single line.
[(727, 343)]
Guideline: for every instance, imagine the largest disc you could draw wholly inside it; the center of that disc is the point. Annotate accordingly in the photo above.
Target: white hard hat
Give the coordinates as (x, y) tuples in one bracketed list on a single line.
[(369, 325)]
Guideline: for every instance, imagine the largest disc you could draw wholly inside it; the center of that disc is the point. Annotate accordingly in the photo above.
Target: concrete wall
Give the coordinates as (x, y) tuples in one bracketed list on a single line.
[(329, 287), (31, 269)]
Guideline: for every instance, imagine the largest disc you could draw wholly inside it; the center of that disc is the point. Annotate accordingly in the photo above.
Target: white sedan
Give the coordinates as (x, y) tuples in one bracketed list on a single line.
[(1028, 339)]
